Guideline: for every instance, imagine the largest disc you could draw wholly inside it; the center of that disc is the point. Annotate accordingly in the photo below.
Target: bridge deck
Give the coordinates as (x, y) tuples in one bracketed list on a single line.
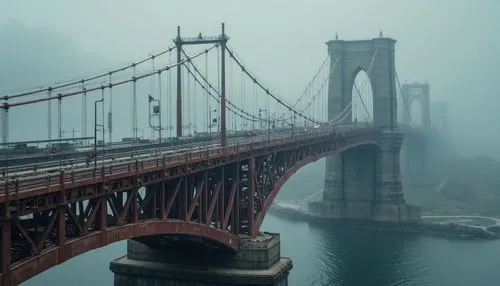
[(33, 183), (84, 208)]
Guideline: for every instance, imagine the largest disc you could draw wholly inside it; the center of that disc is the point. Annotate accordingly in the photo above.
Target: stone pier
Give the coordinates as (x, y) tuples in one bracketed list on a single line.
[(179, 263), (364, 183)]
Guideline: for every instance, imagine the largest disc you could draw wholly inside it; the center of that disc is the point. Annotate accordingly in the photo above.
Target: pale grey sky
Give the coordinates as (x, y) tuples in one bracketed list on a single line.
[(453, 44)]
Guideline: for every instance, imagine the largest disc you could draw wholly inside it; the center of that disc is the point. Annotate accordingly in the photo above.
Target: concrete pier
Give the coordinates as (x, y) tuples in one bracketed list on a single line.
[(148, 262), (364, 183)]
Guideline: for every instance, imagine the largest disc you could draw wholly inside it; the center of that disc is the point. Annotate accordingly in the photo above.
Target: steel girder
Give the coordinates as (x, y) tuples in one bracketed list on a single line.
[(215, 196)]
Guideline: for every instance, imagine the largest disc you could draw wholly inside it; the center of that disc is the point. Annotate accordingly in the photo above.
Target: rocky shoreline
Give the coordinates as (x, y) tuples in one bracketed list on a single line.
[(452, 229)]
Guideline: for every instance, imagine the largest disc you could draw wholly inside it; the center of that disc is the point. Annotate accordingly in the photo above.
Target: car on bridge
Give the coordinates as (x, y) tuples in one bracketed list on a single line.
[(250, 133)]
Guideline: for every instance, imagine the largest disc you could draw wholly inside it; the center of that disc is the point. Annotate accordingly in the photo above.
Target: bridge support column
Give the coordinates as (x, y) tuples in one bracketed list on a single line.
[(350, 184), (175, 262), (365, 183), (390, 205), (333, 195)]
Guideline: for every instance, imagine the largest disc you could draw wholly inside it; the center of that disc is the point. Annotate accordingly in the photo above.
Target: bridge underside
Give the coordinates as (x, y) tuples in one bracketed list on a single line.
[(364, 183)]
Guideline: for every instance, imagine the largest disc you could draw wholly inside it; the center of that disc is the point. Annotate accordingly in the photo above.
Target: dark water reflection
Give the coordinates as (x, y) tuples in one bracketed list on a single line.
[(324, 254), (331, 255)]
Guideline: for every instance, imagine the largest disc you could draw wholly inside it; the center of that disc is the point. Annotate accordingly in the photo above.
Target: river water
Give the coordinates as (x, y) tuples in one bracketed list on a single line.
[(326, 255)]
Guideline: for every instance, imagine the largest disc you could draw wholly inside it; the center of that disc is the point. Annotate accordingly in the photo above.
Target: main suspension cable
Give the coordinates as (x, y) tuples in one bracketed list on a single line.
[(81, 81), (210, 86), (269, 93), (7, 105), (230, 106)]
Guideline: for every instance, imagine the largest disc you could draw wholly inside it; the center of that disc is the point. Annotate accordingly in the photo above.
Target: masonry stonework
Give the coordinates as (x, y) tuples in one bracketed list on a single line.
[(365, 182)]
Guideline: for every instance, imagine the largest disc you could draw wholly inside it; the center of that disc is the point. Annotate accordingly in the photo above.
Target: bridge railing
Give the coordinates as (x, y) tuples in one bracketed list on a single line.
[(17, 171), (10, 189)]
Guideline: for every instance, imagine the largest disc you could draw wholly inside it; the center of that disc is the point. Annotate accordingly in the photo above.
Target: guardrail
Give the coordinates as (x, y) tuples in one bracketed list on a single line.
[(52, 182), (103, 154), (70, 163)]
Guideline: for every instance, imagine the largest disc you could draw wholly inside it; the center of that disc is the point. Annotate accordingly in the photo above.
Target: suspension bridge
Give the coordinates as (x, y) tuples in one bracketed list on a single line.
[(222, 145)]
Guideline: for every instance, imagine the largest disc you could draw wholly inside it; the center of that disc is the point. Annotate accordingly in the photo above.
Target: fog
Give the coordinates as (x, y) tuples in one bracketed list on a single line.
[(453, 45)]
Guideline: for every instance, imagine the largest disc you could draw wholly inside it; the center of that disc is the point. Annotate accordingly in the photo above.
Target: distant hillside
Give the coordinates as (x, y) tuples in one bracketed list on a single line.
[(469, 178), (468, 186)]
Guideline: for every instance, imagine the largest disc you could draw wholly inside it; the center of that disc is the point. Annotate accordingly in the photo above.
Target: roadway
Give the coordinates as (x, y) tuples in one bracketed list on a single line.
[(15, 163), (142, 152), (43, 170)]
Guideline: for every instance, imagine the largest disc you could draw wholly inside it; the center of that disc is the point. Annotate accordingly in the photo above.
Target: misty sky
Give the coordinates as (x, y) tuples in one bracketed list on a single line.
[(452, 44)]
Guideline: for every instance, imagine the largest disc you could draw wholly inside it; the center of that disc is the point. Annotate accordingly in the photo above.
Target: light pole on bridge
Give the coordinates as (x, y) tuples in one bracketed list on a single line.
[(260, 117), (96, 125), (5, 123), (156, 112)]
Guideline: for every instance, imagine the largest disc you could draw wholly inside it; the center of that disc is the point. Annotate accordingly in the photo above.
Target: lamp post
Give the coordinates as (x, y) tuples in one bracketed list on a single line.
[(156, 112), (260, 117), (268, 126), (95, 126), (212, 121)]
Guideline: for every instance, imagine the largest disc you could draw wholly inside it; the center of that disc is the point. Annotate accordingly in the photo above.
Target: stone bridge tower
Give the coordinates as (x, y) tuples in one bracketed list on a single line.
[(364, 182), (417, 92), (415, 150), (439, 117)]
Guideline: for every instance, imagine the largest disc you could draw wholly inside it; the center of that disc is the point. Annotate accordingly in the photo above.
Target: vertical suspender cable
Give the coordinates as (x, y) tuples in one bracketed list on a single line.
[(153, 88), (254, 111), (169, 99), (313, 111), (207, 93), (354, 105), (134, 135), (187, 106), (218, 88), (310, 107), (49, 115), (179, 118), (325, 98), (223, 121), (134, 106), (59, 116), (218, 70), (5, 126), (161, 109), (318, 104), (243, 97), (195, 97), (84, 113), (102, 121), (228, 95), (268, 119), (110, 112)]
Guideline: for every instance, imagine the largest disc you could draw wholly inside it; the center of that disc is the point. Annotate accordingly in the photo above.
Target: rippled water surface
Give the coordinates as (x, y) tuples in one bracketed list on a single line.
[(326, 255)]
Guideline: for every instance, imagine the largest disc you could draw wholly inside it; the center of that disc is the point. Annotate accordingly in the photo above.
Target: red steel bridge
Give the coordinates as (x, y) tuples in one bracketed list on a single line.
[(219, 188)]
